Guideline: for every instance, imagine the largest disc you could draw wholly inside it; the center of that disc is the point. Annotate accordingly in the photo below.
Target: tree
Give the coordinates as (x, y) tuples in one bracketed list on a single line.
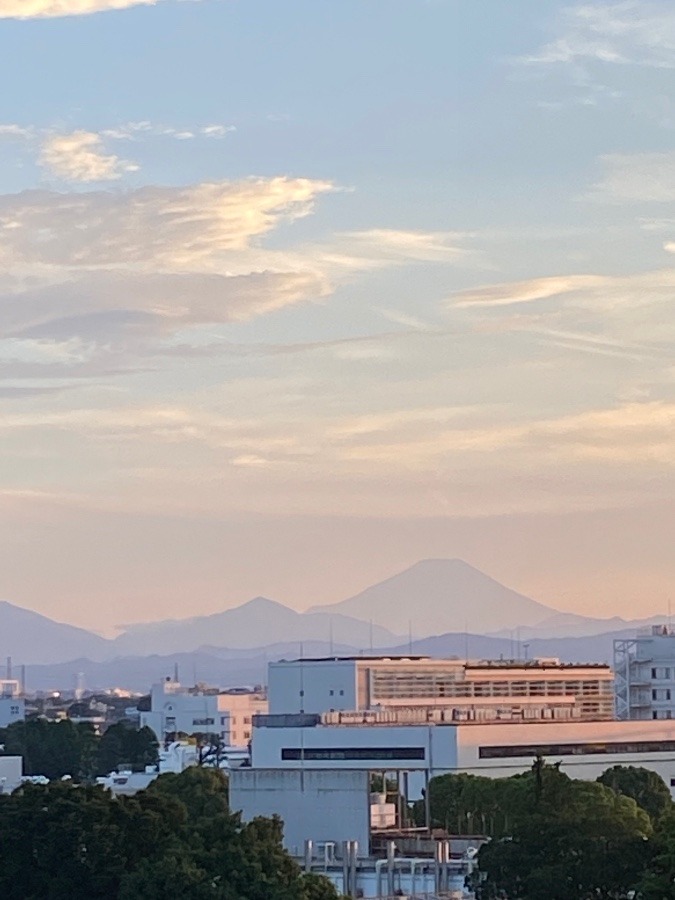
[(317, 887), (122, 744), (53, 749), (658, 881), (465, 803), (647, 788), (202, 791), (63, 841), (571, 839)]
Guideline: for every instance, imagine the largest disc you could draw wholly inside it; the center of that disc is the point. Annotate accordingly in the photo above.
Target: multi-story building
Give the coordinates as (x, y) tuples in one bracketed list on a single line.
[(644, 669), (12, 704), (175, 709), (484, 690)]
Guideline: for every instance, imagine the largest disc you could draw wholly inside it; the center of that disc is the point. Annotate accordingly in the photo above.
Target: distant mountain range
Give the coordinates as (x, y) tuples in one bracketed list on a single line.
[(230, 668), (445, 605), (254, 624)]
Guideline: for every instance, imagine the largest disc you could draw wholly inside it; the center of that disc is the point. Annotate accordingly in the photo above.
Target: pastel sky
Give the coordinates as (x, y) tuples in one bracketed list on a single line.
[(297, 293)]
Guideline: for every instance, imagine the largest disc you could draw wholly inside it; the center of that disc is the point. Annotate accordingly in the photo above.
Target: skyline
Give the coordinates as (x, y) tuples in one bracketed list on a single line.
[(295, 296)]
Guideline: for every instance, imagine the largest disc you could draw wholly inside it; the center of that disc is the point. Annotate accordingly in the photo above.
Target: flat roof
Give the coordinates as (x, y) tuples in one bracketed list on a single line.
[(365, 658), (537, 663)]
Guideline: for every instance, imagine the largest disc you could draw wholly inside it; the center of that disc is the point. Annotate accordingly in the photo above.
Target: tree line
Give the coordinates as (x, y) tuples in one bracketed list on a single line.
[(552, 837), (66, 748), (177, 838)]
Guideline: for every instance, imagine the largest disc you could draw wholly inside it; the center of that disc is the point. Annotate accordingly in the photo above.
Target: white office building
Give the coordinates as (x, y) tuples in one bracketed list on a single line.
[(175, 709), (12, 705), (474, 690), (645, 675)]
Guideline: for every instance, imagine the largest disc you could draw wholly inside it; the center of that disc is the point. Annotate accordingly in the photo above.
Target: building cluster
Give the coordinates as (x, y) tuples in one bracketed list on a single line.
[(361, 737)]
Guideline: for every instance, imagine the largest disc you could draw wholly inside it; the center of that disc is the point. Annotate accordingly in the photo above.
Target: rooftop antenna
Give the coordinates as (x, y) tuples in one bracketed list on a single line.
[(23, 681), (9, 668), (370, 634), (466, 641), (175, 672)]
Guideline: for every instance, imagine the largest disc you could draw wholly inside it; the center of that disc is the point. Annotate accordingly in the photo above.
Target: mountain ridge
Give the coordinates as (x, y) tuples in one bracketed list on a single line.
[(446, 593)]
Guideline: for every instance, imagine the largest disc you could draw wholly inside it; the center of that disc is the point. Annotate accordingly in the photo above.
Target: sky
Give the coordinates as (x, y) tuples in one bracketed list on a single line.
[(295, 294)]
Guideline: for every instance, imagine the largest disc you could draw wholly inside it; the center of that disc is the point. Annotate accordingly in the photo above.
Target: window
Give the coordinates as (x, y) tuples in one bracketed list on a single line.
[(247, 720), (589, 749), (331, 693), (203, 721), (342, 693), (661, 673), (247, 735), (14, 710), (351, 753)]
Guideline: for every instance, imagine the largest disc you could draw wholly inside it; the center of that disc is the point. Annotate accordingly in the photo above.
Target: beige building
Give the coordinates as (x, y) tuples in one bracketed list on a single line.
[(464, 690), (240, 706)]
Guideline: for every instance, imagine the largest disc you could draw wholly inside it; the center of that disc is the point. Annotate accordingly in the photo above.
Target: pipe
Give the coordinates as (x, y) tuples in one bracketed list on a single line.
[(309, 854), (345, 867), (391, 862), (353, 853), (379, 865)]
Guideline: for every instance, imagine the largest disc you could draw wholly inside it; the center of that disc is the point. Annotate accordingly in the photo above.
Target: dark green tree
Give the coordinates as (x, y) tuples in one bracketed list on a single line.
[(647, 788), (203, 791), (571, 839), (68, 842), (123, 744), (53, 749), (658, 881)]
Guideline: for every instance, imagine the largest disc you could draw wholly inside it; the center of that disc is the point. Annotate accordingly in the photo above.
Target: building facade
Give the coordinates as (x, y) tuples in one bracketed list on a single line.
[(474, 689), (644, 669), (12, 704), (175, 709), (583, 749)]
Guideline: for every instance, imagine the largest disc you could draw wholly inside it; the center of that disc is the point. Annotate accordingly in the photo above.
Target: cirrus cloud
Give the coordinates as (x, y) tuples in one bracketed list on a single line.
[(36, 9)]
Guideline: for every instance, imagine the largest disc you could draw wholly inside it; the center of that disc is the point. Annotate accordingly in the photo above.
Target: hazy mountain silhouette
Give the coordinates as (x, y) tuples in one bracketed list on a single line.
[(253, 624), (440, 598), (441, 595), (29, 637)]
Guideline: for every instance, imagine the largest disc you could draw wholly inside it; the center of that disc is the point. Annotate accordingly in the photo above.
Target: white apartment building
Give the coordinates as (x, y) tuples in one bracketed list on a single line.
[(644, 669), (474, 690), (175, 709), (12, 705)]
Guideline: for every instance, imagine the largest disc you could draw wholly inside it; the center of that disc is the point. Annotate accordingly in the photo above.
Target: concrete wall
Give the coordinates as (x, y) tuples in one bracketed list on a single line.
[(11, 770), (321, 805), (314, 686)]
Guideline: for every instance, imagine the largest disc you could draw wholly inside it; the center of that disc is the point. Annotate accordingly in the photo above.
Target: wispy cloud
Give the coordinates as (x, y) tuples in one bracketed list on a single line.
[(150, 260), (622, 32), (35, 9), (80, 156), (636, 178)]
